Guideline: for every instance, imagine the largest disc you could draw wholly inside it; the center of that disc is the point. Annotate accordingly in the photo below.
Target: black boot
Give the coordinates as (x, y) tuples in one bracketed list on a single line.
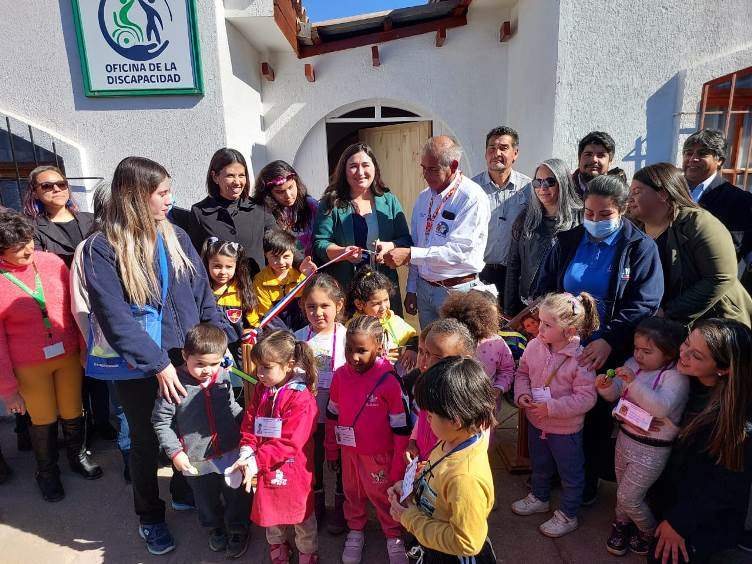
[(44, 443), (23, 440), (5, 470), (74, 431)]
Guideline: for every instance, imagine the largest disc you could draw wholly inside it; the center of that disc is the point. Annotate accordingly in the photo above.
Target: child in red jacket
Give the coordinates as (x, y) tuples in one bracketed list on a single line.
[(276, 446), (367, 429)]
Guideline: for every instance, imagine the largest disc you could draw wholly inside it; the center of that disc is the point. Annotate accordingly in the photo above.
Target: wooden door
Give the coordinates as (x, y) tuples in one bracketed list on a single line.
[(397, 148)]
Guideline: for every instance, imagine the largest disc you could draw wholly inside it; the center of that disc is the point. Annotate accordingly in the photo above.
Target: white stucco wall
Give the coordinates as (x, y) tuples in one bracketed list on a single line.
[(531, 86), (40, 83), (461, 85), (629, 67)]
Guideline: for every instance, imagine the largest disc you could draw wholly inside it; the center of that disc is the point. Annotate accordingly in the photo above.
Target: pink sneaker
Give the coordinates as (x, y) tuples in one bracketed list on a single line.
[(308, 558), (280, 553)]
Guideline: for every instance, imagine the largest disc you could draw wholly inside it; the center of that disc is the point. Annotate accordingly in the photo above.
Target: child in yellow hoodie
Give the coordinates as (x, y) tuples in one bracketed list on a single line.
[(279, 278), (452, 494)]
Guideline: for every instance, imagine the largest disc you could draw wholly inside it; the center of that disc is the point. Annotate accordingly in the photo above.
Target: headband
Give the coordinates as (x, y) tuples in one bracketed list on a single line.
[(279, 180)]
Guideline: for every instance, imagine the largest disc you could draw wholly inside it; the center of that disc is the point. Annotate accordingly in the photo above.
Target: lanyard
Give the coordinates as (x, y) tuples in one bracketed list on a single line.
[(550, 379), (464, 444), (362, 407), (334, 343), (655, 382), (432, 216), (37, 294), (276, 396)]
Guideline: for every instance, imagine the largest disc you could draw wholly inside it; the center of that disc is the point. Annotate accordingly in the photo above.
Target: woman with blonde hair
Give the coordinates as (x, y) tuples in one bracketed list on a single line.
[(139, 266)]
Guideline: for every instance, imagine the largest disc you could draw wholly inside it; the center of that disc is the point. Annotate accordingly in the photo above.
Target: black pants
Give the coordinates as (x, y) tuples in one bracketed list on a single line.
[(210, 491), (319, 461), (137, 398), (598, 446), (495, 274), (96, 400)]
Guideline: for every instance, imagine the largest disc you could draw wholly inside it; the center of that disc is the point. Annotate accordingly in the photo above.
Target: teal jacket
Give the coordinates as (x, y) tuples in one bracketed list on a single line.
[(336, 227)]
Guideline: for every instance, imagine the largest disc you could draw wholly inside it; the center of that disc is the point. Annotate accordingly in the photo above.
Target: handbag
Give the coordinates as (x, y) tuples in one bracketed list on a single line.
[(102, 361)]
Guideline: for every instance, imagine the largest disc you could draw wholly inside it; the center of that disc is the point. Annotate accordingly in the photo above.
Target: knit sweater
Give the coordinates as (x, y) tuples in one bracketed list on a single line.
[(662, 397), (452, 515), (23, 335), (496, 358), (572, 389)]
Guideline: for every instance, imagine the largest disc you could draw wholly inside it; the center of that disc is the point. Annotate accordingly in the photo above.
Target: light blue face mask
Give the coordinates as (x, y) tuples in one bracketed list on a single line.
[(602, 229)]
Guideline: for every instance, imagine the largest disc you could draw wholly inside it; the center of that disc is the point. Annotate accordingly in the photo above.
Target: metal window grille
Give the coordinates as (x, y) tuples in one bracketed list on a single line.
[(727, 105)]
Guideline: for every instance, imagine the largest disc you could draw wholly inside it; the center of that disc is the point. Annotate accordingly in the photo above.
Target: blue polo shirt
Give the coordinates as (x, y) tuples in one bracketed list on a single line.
[(591, 270)]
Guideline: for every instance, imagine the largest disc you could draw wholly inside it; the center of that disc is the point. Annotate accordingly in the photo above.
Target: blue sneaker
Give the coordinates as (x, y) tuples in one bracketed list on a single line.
[(177, 506), (158, 538)]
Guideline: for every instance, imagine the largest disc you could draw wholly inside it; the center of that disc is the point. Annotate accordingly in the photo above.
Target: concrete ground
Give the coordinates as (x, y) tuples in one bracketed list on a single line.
[(95, 522)]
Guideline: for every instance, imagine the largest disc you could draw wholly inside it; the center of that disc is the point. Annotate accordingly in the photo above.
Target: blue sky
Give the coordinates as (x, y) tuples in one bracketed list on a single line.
[(320, 10)]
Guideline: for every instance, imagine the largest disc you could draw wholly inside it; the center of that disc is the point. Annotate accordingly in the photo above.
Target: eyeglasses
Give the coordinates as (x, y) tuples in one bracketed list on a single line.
[(62, 185), (549, 182)]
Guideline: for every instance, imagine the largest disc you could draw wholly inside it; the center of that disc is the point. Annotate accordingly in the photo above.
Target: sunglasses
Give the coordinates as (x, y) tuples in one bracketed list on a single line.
[(549, 182), (62, 185)]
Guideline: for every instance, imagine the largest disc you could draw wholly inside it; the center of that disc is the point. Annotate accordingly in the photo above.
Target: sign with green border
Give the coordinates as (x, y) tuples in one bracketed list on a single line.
[(138, 47)]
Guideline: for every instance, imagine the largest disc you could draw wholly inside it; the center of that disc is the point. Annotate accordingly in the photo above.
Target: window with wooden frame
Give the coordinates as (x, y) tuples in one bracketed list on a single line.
[(727, 105)]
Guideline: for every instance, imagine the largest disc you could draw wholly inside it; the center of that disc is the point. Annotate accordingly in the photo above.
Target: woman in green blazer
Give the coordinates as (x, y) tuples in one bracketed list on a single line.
[(357, 210), (697, 253)]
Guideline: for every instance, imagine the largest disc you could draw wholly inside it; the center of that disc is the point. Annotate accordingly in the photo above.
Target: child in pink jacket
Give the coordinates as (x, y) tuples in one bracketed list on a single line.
[(367, 429), (556, 392)]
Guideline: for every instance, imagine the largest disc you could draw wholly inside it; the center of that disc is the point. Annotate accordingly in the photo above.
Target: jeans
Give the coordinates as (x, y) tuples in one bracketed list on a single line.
[(431, 298), (550, 452), (123, 437), (209, 491), (638, 466), (137, 398)]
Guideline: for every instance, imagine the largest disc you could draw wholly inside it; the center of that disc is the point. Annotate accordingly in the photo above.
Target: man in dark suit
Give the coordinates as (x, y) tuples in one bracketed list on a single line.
[(703, 155)]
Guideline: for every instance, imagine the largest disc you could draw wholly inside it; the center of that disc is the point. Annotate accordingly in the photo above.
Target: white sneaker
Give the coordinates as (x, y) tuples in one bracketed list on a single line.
[(396, 550), (529, 505), (558, 525), (353, 551)]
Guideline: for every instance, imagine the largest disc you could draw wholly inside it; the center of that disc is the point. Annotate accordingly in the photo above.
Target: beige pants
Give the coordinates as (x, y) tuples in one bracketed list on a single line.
[(306, 535)]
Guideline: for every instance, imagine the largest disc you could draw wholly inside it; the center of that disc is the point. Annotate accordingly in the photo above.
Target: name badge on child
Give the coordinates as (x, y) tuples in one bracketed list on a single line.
[(345, 436), (270, 427), (52, 351), (541, 395), (325, 380), (633, 414), (407, 481)]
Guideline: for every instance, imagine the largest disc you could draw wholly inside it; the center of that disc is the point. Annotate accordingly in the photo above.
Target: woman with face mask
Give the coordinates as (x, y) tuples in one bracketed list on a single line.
[(611, 259)]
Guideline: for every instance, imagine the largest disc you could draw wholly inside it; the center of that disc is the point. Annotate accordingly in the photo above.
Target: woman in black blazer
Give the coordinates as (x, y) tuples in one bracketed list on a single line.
[(228, 212), (59, 226)]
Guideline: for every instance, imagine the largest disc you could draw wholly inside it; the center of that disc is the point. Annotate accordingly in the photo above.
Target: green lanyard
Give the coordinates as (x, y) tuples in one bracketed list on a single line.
[(37, 294)]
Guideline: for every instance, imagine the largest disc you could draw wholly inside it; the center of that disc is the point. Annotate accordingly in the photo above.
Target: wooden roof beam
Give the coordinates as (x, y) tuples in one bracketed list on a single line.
[(505, 32), (375, 59), (382, 36), (267, 72), (440, 36), (310, 74)]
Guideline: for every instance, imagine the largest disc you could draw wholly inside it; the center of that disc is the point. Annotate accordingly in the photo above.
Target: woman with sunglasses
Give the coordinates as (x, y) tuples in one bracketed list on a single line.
[(554, 206), (358, 211), (281, 191), (60, 226)]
